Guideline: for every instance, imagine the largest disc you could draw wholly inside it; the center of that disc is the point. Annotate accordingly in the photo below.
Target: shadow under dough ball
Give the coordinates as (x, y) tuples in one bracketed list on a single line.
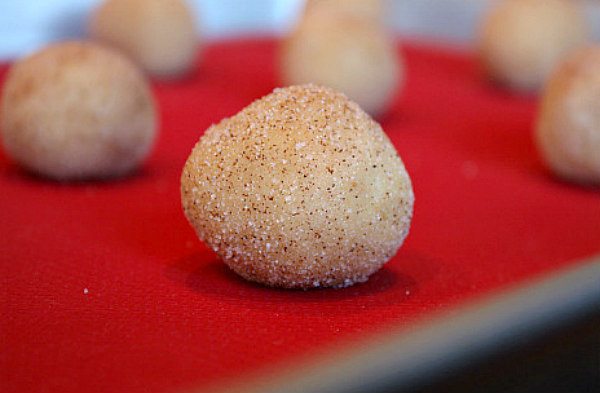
[(568, 125), (522, 41), (300, 189), (160, 35), (77, 111), (349, 53)]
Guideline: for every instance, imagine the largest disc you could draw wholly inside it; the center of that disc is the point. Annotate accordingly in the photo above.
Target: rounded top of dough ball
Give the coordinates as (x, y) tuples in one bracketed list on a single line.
[(522, 41), (300, 189), (345, 52), (568, 128), (77, 110), (160, 35), (370, 9)]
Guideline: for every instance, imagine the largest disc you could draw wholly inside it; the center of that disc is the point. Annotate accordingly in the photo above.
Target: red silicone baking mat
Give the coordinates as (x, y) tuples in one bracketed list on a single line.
[(106, 288)]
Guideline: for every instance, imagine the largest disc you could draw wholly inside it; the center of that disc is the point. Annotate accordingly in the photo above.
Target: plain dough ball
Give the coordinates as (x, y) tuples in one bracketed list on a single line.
[(372, 9), (77, 110), (160, 35), (522, 41), (300, 189), (568, 128), (348, 53)]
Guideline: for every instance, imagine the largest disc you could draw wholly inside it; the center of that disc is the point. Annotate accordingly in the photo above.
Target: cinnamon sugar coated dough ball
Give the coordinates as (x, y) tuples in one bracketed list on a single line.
[(568, 126), (522, 41), (75, 111), (160, 35), (346, 52), (300, 189)]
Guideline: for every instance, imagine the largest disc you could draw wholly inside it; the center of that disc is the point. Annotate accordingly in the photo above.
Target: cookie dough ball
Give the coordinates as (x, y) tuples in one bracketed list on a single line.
[(372, 9), (300, 189), (343, 51), (522, 41), (568, 126), (77, 110), (160, 35)]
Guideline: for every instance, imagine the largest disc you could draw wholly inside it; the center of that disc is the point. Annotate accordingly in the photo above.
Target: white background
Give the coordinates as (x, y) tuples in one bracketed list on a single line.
[(25, 25)]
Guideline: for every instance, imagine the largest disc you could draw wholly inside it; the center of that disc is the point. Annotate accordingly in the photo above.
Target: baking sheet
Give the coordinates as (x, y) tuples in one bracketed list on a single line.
[(107, 288)]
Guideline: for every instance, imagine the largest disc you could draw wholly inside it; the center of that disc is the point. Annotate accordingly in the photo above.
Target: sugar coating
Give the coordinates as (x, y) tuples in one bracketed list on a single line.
[(568, 124), (522, 41), (345, 51), (160, 35), (77, 110), (300, 189)]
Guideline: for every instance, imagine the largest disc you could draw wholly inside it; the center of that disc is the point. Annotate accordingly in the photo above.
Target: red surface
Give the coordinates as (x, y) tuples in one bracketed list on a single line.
[(161, 312)]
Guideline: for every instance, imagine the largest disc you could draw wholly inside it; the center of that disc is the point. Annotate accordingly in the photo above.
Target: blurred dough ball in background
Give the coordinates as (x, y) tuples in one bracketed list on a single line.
[(160, 35), (522, 41), (334, 45), (568, 128), (76, 111), (372, 9)]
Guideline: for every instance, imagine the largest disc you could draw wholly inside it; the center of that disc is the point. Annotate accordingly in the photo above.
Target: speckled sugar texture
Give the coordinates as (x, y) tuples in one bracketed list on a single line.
[(300, 189)]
